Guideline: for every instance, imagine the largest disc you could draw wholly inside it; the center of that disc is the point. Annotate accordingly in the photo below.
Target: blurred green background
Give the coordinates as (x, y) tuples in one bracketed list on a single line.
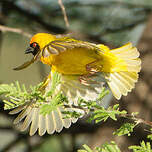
[(111, 22)]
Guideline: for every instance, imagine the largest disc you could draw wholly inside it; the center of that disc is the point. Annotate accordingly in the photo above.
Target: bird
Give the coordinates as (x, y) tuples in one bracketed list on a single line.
[(84, 69)]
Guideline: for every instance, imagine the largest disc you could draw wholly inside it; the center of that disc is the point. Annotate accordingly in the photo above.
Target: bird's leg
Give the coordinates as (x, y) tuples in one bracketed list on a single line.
[(45, 82), (84, 79), (92, 70)]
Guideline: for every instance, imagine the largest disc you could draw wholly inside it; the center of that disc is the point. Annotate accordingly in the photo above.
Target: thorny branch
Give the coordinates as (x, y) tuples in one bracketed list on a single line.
[(15, 30)]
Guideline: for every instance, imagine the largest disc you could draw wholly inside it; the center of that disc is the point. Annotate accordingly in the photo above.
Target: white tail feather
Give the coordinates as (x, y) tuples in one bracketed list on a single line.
[(124, 81), (121, 83)]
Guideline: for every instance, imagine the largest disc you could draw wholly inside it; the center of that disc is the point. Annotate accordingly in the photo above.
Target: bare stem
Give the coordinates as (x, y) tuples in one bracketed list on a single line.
[(15, 30), (64, 13)]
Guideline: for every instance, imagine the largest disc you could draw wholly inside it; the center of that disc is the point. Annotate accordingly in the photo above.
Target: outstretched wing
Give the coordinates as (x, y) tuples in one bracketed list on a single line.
[(62, 44), (70, 87), (31, 116)]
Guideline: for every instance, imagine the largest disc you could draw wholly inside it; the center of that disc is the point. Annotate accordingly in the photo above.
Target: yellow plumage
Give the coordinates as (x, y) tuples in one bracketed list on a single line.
[(119, 66), (75, 60)]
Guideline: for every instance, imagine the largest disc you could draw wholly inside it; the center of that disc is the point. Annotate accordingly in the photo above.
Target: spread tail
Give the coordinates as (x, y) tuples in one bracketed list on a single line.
[(124, 74)]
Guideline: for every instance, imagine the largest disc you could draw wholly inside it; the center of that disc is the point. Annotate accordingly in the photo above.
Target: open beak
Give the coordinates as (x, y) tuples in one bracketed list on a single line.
[(29, 50)]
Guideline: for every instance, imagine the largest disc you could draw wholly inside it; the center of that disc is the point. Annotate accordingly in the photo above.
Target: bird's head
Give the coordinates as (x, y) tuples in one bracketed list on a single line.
[(37, 43)]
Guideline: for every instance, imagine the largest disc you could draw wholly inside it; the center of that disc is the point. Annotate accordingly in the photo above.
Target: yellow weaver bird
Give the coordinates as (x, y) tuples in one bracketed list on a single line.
[(84, 68)]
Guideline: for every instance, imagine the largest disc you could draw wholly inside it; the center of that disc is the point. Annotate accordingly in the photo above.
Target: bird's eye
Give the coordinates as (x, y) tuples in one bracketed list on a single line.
[(34, 45)]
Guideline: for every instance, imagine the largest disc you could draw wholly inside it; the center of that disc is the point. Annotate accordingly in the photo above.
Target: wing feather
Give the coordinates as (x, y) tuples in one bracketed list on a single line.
[(42, 125), (27, 120), (63, 44), (34, 125), (49, 123)]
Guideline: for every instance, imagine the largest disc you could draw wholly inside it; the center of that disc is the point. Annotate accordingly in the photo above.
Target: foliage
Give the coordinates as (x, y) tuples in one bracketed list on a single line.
[(55, 102), (103, 93), (87, 149), (107, 147), (102, 114), (126, 128), (115, 22), (112, 147), (149, 136), (16, 95), (144, 147)]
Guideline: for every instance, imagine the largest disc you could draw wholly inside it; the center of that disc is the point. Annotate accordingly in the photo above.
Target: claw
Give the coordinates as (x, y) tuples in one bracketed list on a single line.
[(92, 70), (86, 79), (83, 80)]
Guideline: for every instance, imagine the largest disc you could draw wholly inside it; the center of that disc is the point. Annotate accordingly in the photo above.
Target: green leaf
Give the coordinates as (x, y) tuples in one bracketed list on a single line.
[(126, 128), (87, 149), (144, 147), (72, 114), (102, 114), (150, 136), (134, 113), (56, 102), (116, 107), (110, 147), (16, 95), (103, 93), (107, 147)]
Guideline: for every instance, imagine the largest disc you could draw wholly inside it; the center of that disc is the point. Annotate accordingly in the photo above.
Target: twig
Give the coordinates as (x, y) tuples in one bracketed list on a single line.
[(127, 116), (31, 16), (15, 30), (64, 13), (79, 108)]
